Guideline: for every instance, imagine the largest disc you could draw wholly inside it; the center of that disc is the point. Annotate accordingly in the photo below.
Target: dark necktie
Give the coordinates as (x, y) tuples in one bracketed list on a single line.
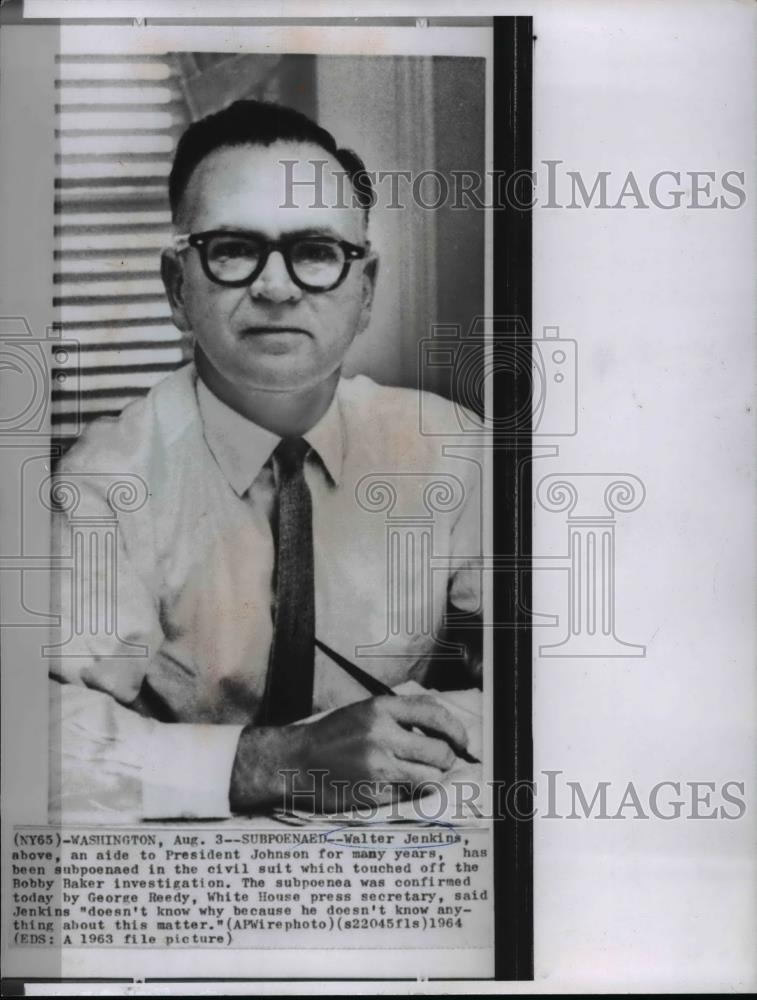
[(289, 684)]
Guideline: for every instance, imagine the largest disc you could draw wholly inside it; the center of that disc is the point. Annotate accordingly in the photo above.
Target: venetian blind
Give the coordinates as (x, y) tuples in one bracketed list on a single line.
[(118, 119)]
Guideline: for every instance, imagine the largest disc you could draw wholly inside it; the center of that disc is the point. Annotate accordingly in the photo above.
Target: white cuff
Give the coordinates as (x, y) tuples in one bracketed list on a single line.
[(187, 771)]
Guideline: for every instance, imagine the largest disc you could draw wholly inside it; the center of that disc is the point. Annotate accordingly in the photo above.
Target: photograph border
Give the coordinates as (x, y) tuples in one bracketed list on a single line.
[(512, 703), (510, 262)]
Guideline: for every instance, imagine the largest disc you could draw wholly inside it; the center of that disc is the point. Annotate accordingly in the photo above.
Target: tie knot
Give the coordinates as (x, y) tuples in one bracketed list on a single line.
[(290, 455)]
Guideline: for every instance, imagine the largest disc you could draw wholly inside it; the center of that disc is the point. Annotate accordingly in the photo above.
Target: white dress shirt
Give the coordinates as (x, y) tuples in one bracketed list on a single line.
[(147, 720)]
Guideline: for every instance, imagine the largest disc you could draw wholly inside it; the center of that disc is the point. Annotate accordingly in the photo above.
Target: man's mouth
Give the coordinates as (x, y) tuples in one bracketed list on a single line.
[(267, 330)]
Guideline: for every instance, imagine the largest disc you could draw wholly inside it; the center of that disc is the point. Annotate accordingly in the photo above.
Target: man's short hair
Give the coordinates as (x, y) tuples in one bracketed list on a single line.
[(259, 123)]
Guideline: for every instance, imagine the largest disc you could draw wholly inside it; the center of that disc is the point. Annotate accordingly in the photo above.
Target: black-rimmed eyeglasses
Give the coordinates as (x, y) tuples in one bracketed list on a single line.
[(234, 259)]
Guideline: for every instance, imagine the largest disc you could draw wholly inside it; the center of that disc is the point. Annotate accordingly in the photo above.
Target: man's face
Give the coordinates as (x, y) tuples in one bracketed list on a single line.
[(271, 335)]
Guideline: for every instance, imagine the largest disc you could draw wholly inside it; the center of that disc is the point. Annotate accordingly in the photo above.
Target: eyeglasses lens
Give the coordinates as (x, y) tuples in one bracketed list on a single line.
[(317, 263), (231, 258)]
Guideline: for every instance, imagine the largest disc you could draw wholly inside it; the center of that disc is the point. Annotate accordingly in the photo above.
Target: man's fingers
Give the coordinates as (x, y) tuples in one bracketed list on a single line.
[(421, 749), (427, 714)]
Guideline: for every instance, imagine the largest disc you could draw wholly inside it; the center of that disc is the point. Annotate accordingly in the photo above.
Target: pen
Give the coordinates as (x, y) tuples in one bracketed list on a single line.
[(375, 686)]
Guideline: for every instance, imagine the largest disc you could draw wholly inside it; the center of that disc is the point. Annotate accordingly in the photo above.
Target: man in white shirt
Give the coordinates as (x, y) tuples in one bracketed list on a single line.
[(262, 546)]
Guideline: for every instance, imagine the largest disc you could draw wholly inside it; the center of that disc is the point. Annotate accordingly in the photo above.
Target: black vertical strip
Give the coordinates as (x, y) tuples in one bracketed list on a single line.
[(513, 748)]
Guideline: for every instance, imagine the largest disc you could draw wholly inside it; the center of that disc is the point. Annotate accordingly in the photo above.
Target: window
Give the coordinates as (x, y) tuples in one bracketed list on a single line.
[(118, 118)]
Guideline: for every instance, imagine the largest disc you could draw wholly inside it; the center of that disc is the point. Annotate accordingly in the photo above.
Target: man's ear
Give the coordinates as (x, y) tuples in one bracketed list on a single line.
[(370, 273), (172, 274)]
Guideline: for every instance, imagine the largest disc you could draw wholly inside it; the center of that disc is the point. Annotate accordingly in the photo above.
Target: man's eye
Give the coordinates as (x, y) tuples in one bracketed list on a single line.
[(315, 252), (233, 250)]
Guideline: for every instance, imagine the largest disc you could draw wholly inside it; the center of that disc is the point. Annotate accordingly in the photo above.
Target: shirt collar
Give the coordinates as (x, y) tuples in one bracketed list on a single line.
[(242, 447)]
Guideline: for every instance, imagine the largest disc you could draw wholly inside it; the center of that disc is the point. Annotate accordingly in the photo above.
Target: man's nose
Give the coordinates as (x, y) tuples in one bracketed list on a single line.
[(274, 282)]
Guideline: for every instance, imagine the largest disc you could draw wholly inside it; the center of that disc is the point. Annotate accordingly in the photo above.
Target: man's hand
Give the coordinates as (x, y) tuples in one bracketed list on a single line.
[(393, 741)]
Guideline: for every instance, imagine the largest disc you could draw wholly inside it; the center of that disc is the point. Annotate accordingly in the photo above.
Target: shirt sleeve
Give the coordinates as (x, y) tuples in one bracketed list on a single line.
[(108, 761), (464, 618), (466, 570)]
